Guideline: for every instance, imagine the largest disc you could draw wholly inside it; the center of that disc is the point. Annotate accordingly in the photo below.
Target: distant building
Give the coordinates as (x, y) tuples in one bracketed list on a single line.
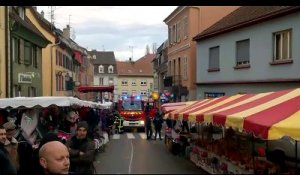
[(105, 72), (136, 77), (184, 23)]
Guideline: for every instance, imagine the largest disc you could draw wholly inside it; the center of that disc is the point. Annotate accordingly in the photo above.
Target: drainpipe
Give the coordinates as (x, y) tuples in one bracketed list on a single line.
[(51, 67)]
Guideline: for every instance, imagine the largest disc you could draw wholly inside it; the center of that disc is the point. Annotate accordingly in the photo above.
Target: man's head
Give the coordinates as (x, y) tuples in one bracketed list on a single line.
[(10, 128), (54, 158), (82, 128), (2, 135)]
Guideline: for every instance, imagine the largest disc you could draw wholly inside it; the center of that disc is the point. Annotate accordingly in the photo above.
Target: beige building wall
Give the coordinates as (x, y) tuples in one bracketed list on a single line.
[(2, 54), (138, 88), (46, 56)]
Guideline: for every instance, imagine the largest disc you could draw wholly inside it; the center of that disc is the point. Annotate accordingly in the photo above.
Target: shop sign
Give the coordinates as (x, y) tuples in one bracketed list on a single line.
[(24, 78)]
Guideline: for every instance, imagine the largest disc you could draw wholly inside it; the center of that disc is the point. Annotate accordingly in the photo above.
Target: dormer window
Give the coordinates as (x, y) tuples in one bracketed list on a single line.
[(101, 69), (21, 12), (110, 69)]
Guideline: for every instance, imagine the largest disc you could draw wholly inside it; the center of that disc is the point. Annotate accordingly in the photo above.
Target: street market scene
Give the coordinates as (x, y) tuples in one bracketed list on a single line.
[(149, 90)]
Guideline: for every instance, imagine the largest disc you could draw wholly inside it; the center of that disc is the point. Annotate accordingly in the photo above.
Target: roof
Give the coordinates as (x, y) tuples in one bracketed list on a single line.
[(43, 21), (141, 67), (103, 57), (245, 16), (27, 24)]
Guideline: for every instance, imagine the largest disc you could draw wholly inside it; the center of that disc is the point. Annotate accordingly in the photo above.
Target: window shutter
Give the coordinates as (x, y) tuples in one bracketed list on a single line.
[(214, 57), (242, 48)]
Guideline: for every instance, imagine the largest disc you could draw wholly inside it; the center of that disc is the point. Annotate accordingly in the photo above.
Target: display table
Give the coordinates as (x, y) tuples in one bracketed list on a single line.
[(215, 164)]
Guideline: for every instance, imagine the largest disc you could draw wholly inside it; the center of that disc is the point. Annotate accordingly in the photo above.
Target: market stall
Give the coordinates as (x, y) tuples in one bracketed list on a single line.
[(267, 116)]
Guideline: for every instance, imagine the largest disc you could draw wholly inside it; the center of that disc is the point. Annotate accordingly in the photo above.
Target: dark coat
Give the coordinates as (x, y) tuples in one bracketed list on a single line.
[(81, 164), (6, 166), (158, 121)]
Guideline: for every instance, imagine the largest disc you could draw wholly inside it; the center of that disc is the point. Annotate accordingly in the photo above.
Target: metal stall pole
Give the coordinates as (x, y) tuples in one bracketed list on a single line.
[(296, 151)]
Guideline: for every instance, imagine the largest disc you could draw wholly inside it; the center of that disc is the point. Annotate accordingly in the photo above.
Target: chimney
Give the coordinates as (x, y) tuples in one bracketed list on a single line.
[(43, 14), (66, 32)]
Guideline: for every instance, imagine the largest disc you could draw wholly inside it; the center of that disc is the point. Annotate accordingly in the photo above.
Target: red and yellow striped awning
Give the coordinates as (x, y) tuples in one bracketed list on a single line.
[(169, 107), (270, 115)]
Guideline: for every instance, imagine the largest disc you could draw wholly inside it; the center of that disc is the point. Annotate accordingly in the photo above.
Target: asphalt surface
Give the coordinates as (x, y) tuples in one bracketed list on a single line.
[(131, 153)]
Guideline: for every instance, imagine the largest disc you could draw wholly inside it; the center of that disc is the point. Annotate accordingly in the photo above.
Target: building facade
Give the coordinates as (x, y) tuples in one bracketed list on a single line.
[(135, 77), (160, 66), (248, 52), (105, 73), (184, 23), (26, 44), (3, 51)]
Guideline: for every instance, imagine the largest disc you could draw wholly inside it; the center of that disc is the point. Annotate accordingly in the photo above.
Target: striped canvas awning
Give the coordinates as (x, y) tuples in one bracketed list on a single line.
[(270, 115), (169, 107)]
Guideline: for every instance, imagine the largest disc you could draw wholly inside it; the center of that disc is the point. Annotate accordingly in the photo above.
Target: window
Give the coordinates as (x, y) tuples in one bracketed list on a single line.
[(17, 91), (34, 56), (133, 83), (185, 67), (214, 58), (144, 92), (170, 35), (124, 92), (143, 83), (31, 92), (174, 33), (101, 81), (185, 27), (21, 12), (15, 49), (110, 69), (124, 83), (242, 52), (178, 31), (101, 69), (282, 45), (38, 55), (27, 53)]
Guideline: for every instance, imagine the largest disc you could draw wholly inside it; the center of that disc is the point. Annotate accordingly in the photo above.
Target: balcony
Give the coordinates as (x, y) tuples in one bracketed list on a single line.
[(174, 80)]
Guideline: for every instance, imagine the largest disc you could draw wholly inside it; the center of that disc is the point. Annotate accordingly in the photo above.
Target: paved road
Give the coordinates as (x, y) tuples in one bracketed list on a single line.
[(131, 153)]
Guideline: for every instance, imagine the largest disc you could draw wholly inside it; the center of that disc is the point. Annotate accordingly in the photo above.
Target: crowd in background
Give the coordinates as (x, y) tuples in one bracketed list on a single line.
[(24, 131)]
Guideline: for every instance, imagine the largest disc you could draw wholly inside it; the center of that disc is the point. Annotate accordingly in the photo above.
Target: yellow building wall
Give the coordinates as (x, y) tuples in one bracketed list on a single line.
[(46, 57), (2, 53), (138, 87)]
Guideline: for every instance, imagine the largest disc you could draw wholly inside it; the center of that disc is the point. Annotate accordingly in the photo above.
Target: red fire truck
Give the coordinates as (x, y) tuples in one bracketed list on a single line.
[(131, 108)]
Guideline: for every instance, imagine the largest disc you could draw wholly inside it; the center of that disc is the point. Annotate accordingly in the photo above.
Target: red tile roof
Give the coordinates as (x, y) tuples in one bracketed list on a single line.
[(245, 16), (140, 67)]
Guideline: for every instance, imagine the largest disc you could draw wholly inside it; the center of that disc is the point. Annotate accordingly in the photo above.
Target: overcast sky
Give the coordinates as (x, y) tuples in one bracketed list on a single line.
[(113, 28)]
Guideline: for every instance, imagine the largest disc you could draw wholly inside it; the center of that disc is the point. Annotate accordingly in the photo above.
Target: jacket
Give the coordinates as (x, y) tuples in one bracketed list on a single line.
[(82, 164), (12, 149)]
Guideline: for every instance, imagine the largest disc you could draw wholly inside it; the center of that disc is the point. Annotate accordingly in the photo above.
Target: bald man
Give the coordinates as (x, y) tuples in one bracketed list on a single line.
[(54, 158)]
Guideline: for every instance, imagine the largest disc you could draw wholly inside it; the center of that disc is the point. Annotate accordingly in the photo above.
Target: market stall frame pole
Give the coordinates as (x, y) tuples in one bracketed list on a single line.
[(253, 150), (296, 151)]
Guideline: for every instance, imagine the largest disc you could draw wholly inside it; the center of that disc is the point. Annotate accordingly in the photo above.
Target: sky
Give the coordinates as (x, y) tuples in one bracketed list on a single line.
[(126, 30)]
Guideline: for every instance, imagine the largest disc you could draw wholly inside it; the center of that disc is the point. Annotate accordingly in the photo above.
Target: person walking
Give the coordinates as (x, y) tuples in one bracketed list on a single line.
[(148, 126), (54, 158), (82, 150), (157, 121)]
